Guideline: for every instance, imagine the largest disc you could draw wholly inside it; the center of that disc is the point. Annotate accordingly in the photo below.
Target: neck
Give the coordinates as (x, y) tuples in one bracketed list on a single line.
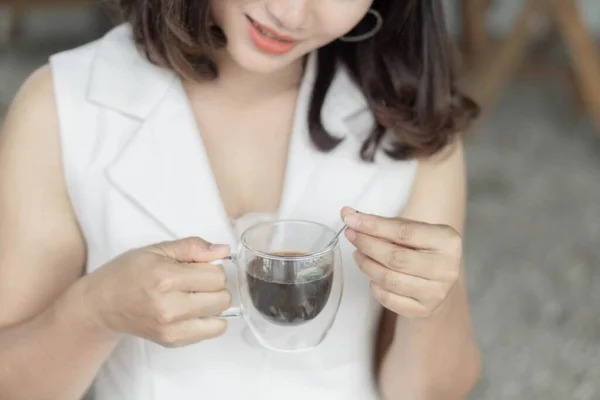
[(243, 85)]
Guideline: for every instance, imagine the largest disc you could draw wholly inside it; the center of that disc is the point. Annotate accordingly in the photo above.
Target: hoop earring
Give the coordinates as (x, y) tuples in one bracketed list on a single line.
[(368, 35)]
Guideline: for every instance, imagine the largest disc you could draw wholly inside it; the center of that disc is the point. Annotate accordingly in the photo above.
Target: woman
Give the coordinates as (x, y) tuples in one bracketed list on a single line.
[(122, 160)]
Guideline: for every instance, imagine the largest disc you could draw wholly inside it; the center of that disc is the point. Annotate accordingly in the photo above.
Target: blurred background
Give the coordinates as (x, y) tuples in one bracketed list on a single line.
[(533, 234)]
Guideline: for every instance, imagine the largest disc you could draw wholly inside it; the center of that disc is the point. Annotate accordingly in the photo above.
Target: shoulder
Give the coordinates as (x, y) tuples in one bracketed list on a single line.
[(438, 195), (119, 37), (34, 104), (109, 73), (30, 134), (74, 68), (29, 141), (449, 162)]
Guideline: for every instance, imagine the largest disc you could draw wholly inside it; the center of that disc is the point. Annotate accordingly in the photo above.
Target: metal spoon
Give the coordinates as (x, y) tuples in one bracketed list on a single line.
[(332, 241)]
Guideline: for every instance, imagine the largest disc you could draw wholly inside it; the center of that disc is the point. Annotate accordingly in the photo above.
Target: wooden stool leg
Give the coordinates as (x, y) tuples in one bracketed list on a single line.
[(499, 68), (586, 61), (475, 34), (14, 23), (475, 30)]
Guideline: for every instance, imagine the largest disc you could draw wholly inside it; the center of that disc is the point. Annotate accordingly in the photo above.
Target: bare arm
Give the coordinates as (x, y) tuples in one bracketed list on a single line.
[(436, 357), (48, 348), (57, 327)]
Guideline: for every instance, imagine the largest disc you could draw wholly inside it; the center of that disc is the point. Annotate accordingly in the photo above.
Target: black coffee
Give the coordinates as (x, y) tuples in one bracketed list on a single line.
[(286, 299)]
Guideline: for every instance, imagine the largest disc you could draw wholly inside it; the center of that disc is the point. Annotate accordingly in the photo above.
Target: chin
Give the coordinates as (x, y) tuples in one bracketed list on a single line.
[(253, 60)]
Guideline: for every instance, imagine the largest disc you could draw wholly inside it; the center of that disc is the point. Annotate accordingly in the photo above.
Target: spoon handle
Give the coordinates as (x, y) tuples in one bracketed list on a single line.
[(338, 234), (314, 248)]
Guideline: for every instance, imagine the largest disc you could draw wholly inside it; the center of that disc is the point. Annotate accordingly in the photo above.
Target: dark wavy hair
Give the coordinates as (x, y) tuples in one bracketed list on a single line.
[(405, 71)]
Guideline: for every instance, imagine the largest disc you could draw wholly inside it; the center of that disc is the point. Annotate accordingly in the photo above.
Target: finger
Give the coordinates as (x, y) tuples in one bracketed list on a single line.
[(200, 305), (415, 234), (429, 293), (191, 250), (176, 307), (191, 331), (405, 306), (398, 258), (195, 277), (393, 281)]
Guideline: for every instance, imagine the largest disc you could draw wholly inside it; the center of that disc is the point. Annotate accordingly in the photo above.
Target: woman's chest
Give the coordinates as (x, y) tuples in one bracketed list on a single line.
[(247, 148), (163, 178), (116, 216)]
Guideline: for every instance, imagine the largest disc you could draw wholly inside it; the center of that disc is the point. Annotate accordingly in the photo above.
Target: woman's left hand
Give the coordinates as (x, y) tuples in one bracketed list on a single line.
[(412, 265)]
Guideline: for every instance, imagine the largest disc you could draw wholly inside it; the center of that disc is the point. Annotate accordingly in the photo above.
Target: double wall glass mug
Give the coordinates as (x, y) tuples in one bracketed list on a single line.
[(289, 283)]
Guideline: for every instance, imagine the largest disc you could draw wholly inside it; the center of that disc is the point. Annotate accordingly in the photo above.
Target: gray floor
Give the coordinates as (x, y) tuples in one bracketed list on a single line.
[(532, 241), (532, 248)]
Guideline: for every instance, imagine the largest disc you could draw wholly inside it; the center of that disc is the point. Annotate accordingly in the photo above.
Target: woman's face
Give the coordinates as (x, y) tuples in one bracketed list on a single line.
[(267, 35)]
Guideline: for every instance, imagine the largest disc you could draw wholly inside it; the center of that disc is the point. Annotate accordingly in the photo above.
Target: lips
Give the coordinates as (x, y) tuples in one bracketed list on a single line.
[(269, 40), (271, 33)]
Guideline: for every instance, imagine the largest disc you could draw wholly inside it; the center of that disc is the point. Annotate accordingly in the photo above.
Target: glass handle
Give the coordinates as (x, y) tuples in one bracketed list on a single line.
[(230, 267)]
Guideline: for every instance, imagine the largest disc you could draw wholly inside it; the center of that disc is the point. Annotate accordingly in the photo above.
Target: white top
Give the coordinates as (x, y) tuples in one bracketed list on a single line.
[(137, 174)]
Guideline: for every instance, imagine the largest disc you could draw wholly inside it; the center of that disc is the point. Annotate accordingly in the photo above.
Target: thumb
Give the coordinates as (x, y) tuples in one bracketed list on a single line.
[(192, 250), (346, 211)]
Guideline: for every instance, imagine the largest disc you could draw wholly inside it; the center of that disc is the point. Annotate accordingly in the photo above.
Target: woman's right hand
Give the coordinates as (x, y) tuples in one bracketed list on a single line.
[(166, 293)]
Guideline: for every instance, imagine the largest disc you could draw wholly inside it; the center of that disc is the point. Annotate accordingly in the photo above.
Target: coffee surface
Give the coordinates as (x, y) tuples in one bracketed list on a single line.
[(284, 293)]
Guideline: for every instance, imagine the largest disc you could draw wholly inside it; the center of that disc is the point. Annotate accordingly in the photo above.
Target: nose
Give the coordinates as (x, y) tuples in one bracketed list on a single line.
[(289, 14)]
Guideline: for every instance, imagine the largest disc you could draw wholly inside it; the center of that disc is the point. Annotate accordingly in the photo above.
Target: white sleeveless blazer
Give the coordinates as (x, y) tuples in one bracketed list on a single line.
[(137, 174)]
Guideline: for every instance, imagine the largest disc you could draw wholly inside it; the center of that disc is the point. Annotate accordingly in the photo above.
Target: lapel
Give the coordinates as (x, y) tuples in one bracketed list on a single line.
[(164, 170), (319, 184)]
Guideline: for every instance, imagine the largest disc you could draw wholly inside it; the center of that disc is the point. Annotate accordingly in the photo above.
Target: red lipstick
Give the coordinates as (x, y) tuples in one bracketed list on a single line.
[(269, 40)]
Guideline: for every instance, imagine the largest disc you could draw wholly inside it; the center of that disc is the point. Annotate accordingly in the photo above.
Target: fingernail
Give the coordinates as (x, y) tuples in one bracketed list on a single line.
[(356, 255), (218, 247), (353, 221), (350, 234)]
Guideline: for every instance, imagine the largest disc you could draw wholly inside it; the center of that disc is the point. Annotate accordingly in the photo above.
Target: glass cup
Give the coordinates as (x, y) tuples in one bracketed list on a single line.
[(289, 283)]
